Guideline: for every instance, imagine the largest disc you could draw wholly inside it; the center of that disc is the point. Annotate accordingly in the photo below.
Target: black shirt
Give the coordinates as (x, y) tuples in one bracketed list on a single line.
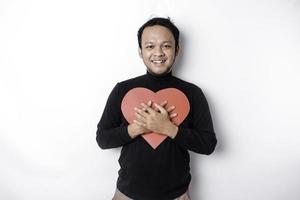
[(162, 173)]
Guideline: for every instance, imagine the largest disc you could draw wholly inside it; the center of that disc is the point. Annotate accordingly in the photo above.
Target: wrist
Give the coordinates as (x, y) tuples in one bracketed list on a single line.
[(131, 131), (172, 130)]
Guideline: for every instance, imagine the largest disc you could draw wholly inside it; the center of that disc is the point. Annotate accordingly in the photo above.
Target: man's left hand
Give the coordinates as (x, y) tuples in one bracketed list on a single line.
[(156, 121)]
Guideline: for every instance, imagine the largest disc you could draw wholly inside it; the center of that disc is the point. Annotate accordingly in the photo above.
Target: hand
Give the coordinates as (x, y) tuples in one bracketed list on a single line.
[(134, 129), (163, 104), (158, 122)]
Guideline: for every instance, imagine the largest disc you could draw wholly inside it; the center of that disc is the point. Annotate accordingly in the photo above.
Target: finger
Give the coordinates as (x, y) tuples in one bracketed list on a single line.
[(140, 117), (139, 123), (140, 111), (149, 103), (173, 115), (148, 108), (156, 109), (171, 108), (163, 104), (161, 109), (144, 108)]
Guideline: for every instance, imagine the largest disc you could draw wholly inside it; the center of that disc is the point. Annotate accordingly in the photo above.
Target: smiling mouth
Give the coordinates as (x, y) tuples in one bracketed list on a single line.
[(158, 61)]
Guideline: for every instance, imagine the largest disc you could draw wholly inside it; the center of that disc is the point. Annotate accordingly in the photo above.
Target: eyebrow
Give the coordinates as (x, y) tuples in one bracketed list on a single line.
[(168, 41)]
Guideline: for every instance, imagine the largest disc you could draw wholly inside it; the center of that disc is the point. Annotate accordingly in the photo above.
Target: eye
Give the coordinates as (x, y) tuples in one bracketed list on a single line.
[(149, 47), (167, 46)]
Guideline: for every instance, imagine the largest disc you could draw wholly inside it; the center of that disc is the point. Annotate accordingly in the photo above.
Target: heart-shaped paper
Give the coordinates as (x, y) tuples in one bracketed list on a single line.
[(173, 96)]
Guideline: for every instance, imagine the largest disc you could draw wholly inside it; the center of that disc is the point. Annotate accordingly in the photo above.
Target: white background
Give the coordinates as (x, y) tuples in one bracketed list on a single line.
[(60, 59)]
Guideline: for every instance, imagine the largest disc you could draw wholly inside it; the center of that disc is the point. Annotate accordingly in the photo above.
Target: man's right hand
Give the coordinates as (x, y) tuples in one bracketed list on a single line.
[(135, 130)]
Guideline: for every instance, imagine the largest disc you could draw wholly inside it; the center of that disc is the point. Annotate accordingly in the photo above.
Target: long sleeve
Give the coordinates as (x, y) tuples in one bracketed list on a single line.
[(200, 138), (166, 169), (110, 133)]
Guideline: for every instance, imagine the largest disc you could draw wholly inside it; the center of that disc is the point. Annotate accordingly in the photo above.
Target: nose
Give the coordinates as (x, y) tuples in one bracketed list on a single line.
[(159, 52)]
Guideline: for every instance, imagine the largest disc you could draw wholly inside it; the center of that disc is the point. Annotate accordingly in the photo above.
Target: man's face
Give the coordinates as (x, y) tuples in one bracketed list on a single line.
[(158, 49)]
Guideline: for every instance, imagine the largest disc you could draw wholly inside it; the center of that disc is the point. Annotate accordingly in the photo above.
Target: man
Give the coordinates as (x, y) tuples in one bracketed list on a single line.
[(161, 171)]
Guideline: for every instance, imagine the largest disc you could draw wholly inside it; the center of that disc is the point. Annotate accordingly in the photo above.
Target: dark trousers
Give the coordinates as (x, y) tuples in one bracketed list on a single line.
[(120, 196)]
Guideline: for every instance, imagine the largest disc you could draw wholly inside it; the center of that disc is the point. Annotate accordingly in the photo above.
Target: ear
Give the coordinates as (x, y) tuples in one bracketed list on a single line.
[(177, 50), (140, 52)]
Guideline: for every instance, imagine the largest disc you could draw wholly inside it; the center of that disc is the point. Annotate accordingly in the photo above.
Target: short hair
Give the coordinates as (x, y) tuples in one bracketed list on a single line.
[(165, 22)]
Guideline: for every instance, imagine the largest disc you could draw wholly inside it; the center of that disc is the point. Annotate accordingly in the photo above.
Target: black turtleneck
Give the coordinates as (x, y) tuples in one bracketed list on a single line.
[(162, 173)]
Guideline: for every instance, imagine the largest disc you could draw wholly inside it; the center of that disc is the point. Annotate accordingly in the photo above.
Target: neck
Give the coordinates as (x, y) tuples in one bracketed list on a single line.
[(165, 76)]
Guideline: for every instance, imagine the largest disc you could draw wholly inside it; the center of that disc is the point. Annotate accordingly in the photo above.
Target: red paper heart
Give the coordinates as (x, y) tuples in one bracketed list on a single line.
[(173, 96)]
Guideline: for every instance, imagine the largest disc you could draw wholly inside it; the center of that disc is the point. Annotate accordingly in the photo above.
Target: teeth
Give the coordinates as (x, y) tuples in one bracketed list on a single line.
[(158, 61)]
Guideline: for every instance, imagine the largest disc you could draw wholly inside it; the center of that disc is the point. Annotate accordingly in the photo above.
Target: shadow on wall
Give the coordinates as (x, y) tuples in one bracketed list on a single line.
[(195, 163), (198, 174)]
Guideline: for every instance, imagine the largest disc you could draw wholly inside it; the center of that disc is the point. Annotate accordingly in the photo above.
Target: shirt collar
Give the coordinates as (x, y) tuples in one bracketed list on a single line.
[(163, 77)]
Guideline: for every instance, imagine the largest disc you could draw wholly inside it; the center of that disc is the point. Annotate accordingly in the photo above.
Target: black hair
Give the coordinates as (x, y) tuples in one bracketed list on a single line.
[(166, 22)]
